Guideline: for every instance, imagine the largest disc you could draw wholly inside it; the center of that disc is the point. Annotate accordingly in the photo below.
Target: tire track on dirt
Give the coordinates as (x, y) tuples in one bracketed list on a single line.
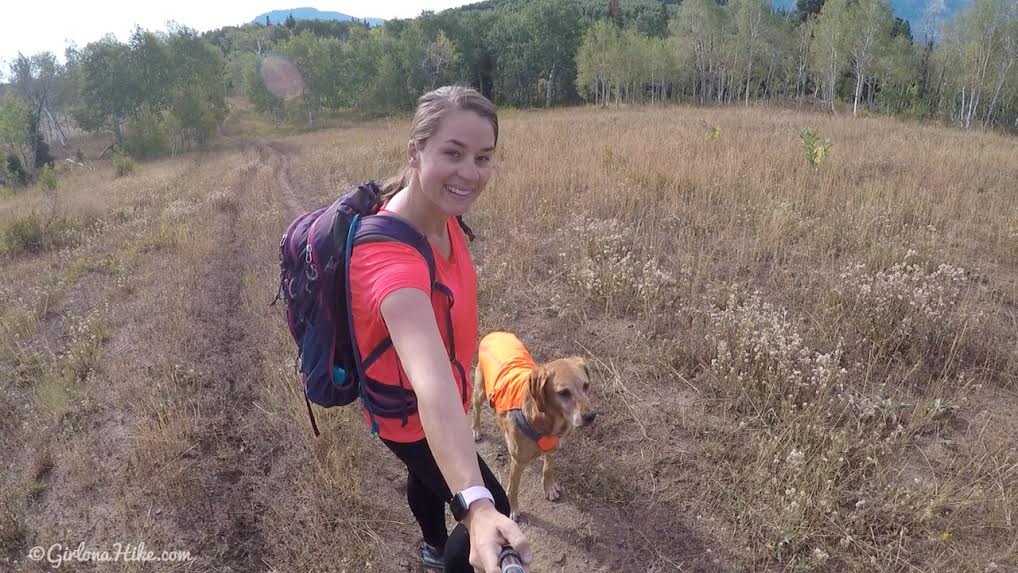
[(395, 545), (214, 513), (276, 155), (227, 509)]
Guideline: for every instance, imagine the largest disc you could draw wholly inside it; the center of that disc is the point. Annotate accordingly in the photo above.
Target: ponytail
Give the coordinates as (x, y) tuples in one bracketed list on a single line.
[(395, 184)]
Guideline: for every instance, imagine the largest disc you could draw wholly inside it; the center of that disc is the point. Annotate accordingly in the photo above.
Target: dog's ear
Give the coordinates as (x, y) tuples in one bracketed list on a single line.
[(583, 366), (537, 386)]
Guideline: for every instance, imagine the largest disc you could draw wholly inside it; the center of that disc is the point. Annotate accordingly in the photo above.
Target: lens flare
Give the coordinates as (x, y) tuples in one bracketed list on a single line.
[(281, 77)]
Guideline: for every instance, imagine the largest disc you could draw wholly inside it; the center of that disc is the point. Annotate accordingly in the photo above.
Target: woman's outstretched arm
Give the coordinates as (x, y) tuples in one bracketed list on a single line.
[(410, 319)]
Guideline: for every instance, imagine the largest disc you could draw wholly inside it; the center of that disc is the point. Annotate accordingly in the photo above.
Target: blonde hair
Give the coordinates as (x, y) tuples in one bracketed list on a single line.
[(432, 108)]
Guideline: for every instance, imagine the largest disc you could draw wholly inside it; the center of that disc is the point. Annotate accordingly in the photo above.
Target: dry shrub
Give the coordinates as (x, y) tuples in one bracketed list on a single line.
[(906, 311), (17, 326), (805, 473), (607, 267), (225, 202), (83, 354), (58, 381), (762, 366)]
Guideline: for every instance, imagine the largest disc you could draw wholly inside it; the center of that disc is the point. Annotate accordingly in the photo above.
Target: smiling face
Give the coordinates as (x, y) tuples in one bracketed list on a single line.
[(454, 164)]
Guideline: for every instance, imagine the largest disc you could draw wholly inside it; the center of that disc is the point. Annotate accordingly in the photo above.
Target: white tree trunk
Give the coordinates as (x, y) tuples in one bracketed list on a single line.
[(858, 91), (1010, 52), (53, 122), (749, 74), (548, 88), (1005, 68)]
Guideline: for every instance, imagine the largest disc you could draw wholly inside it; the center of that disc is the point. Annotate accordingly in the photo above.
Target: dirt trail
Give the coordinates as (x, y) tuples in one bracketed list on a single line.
[(384, 474), (232, 447), (273, 154), (185, 327)]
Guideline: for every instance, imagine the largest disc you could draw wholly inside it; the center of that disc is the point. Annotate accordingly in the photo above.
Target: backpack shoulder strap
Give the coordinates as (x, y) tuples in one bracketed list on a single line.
[(390, 228), (381, 228), (385, 227)]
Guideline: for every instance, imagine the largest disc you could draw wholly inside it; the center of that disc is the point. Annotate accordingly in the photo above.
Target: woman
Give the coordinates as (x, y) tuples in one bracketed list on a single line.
[(434, 335)]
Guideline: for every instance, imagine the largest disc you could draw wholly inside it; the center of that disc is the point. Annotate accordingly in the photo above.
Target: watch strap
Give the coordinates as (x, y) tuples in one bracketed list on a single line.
[(463, 500)]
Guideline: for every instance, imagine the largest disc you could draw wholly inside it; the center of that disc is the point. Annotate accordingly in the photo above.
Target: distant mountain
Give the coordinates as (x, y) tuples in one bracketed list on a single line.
[(279, 16), (911, 10)]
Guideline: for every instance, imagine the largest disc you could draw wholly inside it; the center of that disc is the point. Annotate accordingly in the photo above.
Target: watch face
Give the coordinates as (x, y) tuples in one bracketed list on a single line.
[(458, 507)]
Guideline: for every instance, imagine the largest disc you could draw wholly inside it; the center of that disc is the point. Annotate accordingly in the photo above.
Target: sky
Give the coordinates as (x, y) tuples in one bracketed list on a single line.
[(32, 26)]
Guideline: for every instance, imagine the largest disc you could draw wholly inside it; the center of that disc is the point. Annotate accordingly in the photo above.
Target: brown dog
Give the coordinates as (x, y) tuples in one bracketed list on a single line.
[(535, 405)]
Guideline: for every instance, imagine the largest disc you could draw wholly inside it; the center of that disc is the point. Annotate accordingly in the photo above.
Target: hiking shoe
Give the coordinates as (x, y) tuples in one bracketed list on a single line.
[(431, 557)]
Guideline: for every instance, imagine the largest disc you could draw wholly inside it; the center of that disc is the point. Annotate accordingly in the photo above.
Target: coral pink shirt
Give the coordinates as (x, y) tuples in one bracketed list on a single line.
[(378, 269)]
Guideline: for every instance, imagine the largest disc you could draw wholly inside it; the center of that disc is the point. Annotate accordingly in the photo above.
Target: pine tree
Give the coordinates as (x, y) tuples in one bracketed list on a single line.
[(39, 146), (615, 12), (806, 8)]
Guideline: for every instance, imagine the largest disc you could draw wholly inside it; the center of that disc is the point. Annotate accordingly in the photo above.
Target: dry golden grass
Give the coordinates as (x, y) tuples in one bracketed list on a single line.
[(800, 369), (144, 357), (826, 349)]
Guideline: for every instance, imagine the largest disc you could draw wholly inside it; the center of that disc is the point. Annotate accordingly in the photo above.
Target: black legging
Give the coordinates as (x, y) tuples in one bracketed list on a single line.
[(427, 494)]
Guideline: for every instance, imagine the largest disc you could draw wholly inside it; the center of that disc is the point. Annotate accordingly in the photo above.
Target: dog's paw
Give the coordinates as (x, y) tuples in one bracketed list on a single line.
[(478, 436), (514, 515), (552, 491)]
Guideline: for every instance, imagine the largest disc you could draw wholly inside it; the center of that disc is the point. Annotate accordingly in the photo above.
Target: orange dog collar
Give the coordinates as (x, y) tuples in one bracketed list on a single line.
[(546, 443)]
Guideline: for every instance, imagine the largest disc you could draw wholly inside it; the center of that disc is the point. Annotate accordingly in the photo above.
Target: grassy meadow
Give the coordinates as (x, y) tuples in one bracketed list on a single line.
[(798, 367)]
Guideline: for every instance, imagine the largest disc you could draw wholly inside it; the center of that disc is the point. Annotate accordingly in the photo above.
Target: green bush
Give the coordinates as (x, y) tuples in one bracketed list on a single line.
[(122, 164), (16, 173), (36, 233), (816, 150), (147, 137), (47, 178), (24, 235)]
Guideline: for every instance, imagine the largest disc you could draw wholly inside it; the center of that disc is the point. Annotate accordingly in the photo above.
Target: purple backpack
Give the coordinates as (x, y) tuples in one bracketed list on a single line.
[(314, 280)]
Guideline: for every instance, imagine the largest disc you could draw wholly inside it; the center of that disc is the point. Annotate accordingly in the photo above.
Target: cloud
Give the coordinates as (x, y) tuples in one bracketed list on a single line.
[(30, 26)]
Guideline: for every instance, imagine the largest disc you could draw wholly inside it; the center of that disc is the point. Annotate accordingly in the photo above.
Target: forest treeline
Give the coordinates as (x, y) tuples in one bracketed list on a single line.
[(158, 92)]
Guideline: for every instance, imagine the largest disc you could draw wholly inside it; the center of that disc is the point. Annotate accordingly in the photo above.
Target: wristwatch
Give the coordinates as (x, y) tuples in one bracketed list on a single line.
[(461, 501)]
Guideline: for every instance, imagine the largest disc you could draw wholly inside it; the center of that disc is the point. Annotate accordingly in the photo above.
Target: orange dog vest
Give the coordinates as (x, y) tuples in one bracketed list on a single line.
[(506, 367)]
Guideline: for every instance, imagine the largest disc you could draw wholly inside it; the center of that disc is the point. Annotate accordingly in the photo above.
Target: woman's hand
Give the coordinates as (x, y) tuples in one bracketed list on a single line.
[(489, 532)]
